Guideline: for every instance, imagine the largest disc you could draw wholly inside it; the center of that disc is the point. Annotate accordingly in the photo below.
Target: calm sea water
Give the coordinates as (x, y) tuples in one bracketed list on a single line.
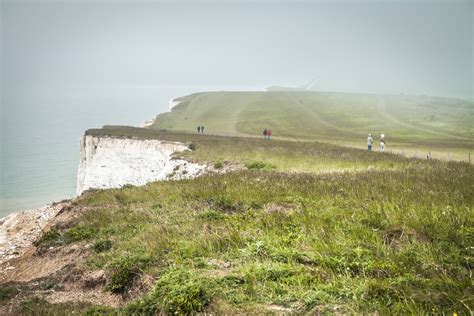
[(41, 128)]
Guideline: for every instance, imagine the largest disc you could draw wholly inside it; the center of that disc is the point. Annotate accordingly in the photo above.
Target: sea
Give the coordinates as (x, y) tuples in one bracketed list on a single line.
[(41, 127)]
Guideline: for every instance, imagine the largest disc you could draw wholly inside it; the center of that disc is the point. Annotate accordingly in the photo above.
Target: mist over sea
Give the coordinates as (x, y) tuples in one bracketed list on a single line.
[(41, 128)]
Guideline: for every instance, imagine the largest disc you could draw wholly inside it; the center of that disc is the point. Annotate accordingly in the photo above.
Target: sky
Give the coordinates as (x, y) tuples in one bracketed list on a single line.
[(412, 47)]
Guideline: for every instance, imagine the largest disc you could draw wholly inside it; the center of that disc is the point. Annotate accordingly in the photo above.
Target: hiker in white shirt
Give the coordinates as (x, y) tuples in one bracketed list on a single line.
[(370, 142)]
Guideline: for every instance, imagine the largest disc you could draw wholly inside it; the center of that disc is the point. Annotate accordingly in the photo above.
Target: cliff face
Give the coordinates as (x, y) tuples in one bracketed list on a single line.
[(174, 102), (107, 162)]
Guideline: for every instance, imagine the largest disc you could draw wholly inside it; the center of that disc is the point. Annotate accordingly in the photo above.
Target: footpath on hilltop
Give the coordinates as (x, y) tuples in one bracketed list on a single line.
[(413, 125)]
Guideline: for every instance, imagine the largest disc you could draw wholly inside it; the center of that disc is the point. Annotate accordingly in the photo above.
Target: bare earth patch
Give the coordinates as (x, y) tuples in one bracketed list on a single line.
[(54, 273)]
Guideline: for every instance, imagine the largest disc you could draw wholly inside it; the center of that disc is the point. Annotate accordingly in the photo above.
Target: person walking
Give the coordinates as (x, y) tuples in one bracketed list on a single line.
[(370, 142), (202, 129), (199, 129), (269, 134), (382, 143), (265, 133)]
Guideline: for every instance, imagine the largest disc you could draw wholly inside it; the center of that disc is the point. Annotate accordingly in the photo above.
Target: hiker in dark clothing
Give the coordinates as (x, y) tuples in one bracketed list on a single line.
[(265, 133), (202, 129), (199, 129)]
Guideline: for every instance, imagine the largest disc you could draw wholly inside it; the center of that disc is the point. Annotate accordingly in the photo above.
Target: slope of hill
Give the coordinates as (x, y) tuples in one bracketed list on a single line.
[(296, 227), (409, 122)]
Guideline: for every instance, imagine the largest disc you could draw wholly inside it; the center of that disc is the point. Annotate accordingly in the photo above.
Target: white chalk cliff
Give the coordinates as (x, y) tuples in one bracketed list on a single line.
[(107, 162), (174, 102)]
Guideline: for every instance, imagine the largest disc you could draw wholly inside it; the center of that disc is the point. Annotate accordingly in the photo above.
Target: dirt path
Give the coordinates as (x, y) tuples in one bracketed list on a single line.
[(317, 117)]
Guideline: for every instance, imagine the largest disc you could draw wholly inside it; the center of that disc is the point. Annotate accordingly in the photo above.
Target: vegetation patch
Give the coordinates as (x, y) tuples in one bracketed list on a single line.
[(218, 165), (371, 233), (177, 292), (260, 165), (50, 238), (53, 237), (124, 270), (78, 233), (7, 292), (37, 306), (102, 245)]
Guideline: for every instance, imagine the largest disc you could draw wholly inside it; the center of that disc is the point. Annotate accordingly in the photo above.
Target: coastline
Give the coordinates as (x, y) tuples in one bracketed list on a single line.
[(171, 104), (19, 230)]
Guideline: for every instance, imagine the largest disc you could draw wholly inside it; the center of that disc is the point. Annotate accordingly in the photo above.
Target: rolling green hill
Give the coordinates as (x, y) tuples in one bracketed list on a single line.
[(410, 123), (298, 228), (287, 226)]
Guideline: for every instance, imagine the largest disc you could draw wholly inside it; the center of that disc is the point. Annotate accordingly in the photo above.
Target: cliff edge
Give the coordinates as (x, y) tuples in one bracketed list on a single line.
[(109, 162)]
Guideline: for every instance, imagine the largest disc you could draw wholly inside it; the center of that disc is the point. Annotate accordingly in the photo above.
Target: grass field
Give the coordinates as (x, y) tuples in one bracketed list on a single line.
[(413, 124), (300, 226), (304, 227)]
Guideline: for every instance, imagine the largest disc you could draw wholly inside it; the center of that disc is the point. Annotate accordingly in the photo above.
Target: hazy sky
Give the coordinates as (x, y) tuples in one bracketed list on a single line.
[(417, 47)]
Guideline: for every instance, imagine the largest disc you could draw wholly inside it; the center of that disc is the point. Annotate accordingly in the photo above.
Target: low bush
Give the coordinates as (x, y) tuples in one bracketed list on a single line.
[(50, 238), (78, 233), (177, 292), (218, 165), (102, 245), (124, 270), (7, 292), (260, 165)]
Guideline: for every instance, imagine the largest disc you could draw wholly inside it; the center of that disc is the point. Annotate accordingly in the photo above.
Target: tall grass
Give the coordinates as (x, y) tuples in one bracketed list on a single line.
[(397, 240)]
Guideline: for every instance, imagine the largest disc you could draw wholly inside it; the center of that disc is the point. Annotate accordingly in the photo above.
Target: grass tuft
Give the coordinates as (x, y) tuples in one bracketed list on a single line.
[(259, 165), (125, 270)]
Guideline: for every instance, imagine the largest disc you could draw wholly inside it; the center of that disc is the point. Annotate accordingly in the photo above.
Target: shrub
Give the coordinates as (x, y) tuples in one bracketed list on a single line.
[(180, 292), (7, 292), (125, 270), (192, 146), (259, 165), (32, 305), (218, 165), (102, 245), (177, 292), (49, 239), (78, 233), (54, 238)]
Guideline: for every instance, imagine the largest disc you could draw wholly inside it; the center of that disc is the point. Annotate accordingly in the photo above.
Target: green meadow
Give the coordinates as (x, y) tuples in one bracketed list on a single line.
[(414, 125), (301, 227)]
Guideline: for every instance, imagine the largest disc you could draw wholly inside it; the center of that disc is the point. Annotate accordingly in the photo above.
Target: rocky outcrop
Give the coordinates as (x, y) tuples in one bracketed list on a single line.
[(107, 162)]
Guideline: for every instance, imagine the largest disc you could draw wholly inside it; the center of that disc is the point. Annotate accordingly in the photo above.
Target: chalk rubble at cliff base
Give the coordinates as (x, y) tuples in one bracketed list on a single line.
[(19, 230)]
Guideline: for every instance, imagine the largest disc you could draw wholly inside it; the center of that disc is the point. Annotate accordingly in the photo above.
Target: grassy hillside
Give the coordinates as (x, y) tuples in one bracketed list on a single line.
[(409, 122), (302, 227)]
